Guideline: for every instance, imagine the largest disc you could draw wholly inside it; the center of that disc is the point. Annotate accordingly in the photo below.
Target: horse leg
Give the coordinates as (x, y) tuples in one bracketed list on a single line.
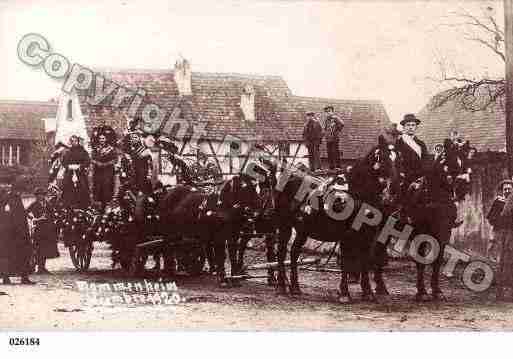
[(219, 244), (343, 296), (379, 258), (295, 251), (233, 240), (367, 294), (284, 237), (209, 250), (271, 257), (421, 295), (243, 244), (169, 262), (435, 276)]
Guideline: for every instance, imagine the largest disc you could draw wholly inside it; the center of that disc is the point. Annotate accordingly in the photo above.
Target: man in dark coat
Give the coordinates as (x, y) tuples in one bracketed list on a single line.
[(332, 128), (504, 190), (15, 245), (413, 151), (45, 231), (75, 184), (137, 146), (312, 135), (104, 158)]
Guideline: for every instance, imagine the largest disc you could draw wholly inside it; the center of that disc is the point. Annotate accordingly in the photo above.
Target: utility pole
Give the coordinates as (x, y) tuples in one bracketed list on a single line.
[(508, 41)]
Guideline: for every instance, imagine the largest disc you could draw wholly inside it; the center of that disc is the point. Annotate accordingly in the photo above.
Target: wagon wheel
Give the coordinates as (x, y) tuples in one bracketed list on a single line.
[(80, 251), (192, 260)]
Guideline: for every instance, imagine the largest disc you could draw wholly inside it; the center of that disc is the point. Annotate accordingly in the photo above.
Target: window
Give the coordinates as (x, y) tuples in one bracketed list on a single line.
[(10, 154), (284, 149)]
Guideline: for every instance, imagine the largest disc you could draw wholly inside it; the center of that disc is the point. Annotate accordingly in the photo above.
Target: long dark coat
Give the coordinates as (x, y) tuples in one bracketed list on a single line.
[(414, 166), (103, 173), (15, 245), (45, 233), (76, 196)]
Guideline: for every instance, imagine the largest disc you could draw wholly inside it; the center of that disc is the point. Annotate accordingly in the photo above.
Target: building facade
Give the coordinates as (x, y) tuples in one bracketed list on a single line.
[(22, 134), (235, 111)]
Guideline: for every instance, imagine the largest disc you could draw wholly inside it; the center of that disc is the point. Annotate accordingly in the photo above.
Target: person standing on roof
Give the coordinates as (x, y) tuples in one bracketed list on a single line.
[(333, 128), (312, 135)]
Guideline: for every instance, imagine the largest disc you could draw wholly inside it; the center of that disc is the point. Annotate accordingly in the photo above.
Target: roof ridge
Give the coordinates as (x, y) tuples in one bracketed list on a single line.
[(170, 71), (27, 102), (362, 101)]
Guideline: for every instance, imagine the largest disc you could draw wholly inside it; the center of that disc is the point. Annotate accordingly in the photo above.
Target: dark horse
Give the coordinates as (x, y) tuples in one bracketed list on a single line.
[(214, 218), (330, 213), (429, 206)]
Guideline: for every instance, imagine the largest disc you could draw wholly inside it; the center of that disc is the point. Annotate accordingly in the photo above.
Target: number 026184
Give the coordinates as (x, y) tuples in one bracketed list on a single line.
[(23, 341)]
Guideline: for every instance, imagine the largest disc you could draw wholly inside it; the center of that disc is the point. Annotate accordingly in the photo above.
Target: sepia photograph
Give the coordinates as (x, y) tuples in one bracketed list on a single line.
[(255, 166)]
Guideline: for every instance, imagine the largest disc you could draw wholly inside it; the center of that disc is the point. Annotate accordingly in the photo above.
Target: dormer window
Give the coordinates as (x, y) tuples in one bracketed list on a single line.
[(247, 103)]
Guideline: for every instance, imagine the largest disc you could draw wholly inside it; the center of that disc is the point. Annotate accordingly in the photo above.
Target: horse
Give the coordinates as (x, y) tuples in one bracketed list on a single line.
[(374, 182), (429, 206), (214, 218)]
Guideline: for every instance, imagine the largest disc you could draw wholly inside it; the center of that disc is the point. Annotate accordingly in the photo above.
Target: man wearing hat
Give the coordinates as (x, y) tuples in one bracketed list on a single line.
[(15, 245), (413, 150), (45, 231), (332, 128), (312, 135)]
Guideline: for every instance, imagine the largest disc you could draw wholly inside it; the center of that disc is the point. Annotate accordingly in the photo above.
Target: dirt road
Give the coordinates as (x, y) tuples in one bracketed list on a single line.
[(56, 303)]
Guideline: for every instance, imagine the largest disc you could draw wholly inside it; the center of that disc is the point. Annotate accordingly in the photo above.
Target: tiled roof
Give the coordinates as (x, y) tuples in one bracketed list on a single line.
[(21, 120), (486, 130), (216, 100)]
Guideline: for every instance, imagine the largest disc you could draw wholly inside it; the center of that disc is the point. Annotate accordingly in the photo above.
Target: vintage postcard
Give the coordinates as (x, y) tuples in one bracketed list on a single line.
[(255, 166)]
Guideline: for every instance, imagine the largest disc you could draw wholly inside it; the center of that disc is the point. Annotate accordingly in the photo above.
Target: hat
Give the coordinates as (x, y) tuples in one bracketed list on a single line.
[(310, 113), (329, 107), (40, 191), (502, 183), (409, 117)]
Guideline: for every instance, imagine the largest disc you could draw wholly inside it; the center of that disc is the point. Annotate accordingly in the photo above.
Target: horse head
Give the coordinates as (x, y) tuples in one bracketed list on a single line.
[(239, 194), (379, 177)]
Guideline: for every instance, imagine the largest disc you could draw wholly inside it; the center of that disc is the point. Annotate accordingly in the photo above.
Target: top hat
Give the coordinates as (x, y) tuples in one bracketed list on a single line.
[(502, 183), (409, 117), (40, 191), (329, 107)]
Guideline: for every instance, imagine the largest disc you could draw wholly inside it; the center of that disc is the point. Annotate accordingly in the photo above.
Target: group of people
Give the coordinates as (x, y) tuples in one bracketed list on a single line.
[(413, 150), (315, 130), (17, 249), (20, 242)]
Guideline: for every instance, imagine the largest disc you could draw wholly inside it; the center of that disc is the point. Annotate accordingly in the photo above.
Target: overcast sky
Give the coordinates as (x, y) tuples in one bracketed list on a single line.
[(341, 49)]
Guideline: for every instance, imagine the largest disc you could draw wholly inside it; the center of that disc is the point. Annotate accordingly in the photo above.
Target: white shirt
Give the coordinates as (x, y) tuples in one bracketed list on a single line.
[(413, 145)]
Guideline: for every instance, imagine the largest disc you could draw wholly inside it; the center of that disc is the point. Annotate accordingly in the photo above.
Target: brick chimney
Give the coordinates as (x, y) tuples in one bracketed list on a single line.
[(182, 76), (247, 103)]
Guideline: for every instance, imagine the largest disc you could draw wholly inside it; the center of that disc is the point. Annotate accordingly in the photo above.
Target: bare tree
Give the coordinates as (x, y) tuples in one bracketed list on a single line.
[(473, 93)]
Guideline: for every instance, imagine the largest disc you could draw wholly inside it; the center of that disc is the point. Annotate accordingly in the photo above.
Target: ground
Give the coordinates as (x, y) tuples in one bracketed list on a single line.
[(55, 303)]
